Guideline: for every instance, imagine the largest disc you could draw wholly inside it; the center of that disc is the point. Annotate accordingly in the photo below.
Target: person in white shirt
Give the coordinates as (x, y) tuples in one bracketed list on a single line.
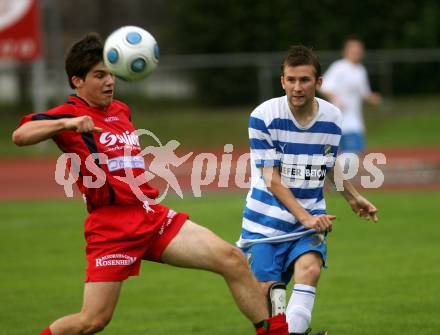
[(346, 85)]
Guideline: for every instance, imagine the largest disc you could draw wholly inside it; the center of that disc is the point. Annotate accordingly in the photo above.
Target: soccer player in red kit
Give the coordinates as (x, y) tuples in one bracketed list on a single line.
[(120, 230)]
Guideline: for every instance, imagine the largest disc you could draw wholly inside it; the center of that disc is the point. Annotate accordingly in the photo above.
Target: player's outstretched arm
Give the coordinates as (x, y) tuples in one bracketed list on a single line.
[(374, 99), (33, 132), (359, 204), (275, 184)]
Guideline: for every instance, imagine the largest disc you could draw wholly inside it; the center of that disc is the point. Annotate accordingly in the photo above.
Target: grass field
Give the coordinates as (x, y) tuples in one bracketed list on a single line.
[(382, 278)]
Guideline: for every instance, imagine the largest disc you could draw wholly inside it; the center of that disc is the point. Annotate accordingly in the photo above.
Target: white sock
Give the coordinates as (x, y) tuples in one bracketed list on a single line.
[(299, 309)]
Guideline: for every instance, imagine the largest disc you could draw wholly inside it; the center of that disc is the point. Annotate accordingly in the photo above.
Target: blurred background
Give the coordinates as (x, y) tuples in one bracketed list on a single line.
[(219, 60), (210, 49)]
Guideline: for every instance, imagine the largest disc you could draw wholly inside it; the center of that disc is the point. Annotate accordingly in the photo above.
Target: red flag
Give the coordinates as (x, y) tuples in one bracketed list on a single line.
[(20, 35)]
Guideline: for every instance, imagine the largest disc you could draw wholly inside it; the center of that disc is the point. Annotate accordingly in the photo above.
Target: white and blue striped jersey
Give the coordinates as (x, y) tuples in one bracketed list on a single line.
[(302, 154)]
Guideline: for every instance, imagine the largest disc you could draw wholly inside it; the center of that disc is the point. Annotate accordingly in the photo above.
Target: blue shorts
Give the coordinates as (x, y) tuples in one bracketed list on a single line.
[(274, 261), (352, 142)]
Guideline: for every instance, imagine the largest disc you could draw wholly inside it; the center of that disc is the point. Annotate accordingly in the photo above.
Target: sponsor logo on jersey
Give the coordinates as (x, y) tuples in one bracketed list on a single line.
[(303, 171), (109, 139), (115, 260), (126, 162), (111, 119)]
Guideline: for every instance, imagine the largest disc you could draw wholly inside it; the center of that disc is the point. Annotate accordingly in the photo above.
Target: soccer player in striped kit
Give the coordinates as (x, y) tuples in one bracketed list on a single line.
[(294, 141), (121, 230)]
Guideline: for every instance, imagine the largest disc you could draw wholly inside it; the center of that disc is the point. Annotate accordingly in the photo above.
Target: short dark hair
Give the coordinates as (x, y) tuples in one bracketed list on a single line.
[(300, 55), (83, 55)]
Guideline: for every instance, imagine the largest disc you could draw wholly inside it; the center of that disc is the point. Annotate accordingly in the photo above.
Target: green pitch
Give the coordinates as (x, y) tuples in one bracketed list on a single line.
[(382, 278)]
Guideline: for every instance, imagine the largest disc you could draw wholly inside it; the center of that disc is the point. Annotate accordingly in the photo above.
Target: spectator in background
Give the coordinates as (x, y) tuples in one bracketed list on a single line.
[(346, 85)]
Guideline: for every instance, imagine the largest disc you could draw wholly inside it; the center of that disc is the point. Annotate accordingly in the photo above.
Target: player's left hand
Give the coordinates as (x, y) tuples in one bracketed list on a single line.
[(364, 208)]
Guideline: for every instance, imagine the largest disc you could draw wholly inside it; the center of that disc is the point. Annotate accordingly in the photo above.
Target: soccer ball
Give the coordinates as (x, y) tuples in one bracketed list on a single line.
[(131, 53)]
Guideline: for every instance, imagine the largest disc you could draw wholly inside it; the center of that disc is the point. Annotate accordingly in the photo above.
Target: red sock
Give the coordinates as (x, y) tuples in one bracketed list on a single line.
[(46, 332), (275, 325)]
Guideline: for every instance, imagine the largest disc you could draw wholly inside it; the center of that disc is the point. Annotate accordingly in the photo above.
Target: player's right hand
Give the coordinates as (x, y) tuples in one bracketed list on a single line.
[(81, 124), (321, 223)]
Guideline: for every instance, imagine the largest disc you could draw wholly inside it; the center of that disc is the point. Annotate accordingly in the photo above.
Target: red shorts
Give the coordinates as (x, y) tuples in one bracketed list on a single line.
[(119, 237)]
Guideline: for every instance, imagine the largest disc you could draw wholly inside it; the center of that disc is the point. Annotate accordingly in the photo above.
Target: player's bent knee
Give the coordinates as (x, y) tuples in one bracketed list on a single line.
[(310, 273), (235, 257), (314, 271), (93, 325), (233, 261)]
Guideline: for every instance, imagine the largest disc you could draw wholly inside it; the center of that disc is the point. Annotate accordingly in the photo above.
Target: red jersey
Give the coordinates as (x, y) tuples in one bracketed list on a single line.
[(116, 138)]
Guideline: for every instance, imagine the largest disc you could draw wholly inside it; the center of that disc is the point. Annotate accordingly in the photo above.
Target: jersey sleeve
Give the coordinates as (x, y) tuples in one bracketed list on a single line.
[(263, 151), (60, 112)]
